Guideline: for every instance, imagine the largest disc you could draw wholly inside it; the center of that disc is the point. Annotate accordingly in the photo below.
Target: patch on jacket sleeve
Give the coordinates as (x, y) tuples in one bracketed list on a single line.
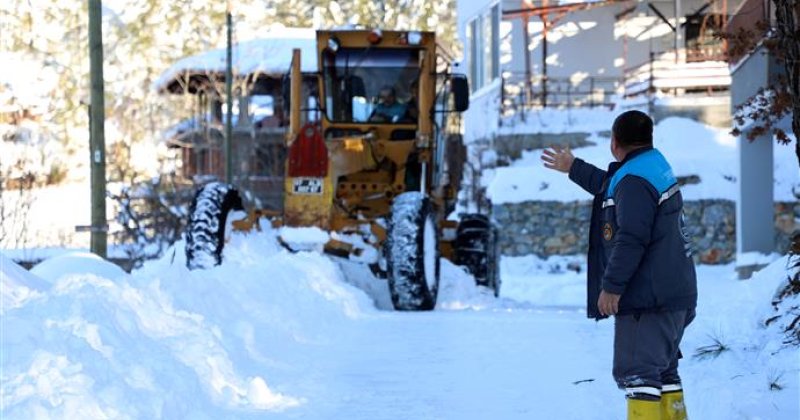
[(608, 231)]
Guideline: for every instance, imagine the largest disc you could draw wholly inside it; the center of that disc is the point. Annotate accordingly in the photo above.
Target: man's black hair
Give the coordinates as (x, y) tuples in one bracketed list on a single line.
[(633, 128), (390, 89)]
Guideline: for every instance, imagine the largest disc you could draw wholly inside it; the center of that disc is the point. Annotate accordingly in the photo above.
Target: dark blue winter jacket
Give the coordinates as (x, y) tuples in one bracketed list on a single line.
[(638, 246)]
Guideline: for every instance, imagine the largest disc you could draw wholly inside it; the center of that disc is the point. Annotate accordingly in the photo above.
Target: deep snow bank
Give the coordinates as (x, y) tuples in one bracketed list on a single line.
[(271, 334), (17, 285), (72, 263), (735, 366), (166, 342)]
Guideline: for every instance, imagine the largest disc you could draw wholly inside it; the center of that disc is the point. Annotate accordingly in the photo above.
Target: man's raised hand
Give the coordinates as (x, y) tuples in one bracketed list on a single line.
[(558, 158)]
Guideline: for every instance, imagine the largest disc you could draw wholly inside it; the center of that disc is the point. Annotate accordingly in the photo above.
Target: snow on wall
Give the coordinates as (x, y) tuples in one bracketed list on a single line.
[(691, 147)]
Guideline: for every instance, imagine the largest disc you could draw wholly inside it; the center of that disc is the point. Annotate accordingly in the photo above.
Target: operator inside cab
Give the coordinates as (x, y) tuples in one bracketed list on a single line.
[(388, 109)]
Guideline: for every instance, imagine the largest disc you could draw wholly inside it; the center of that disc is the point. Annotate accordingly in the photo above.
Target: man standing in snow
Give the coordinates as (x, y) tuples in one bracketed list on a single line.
[(640, 264)]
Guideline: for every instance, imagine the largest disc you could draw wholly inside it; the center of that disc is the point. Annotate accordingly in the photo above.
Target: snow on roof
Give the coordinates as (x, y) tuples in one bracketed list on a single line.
[(692, 148), (271, 54)]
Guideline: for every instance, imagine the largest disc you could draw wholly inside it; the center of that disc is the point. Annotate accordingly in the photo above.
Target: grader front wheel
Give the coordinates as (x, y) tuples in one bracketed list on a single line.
[(412, 255), (208, 215)]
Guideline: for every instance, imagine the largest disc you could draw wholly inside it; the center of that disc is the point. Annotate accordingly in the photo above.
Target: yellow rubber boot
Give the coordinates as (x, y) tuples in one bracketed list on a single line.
[(672, 406), (644, 409)]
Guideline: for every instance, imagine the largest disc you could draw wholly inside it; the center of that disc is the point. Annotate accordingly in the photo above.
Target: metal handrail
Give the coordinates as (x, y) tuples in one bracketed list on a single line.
[(518, 94)]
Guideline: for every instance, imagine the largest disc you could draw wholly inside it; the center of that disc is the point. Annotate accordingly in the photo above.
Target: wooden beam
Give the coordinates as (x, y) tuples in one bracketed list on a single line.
[(626, 12), (545, 10), (661, 16)]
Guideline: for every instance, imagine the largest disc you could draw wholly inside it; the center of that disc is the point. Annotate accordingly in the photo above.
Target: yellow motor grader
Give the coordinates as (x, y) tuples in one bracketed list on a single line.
[(383, 160)]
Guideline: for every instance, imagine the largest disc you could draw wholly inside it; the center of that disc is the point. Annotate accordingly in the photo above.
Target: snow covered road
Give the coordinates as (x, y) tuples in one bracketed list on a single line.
[(271, 334), (461, 365)]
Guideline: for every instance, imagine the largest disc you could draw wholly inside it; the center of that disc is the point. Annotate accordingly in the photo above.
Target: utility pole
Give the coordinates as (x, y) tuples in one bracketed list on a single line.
[(99, 227), (229, 99)]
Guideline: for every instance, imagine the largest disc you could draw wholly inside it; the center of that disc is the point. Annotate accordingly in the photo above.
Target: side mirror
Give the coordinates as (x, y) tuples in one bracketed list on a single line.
[(357, 88), (459, 86)]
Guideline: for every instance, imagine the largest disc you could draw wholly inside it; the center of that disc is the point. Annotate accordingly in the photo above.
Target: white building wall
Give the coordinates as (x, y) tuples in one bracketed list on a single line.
[(481, 119), (584, 44), (594, 41)]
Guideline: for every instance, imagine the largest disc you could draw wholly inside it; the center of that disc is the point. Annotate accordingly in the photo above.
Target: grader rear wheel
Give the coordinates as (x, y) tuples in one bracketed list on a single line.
[(476, 249)]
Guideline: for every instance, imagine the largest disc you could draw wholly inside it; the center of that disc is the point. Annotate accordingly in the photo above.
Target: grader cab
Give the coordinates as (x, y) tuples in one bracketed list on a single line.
[(383, 161)]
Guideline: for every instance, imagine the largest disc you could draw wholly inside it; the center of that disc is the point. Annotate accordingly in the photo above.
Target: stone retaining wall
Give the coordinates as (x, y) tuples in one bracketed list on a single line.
[(548, 228)]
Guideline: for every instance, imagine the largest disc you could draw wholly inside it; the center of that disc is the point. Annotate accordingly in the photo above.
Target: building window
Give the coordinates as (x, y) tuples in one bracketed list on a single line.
[(495, 41), (483, 47), (486, 36), (474, 56), (468, 54)]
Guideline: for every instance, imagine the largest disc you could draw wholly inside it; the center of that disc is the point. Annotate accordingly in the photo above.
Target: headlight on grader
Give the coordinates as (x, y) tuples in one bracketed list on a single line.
[(414, 38), (333, 44), (375, 37), (354, 144)]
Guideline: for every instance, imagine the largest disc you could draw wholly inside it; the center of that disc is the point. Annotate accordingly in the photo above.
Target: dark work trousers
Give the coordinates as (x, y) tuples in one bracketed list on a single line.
[(646, 350)]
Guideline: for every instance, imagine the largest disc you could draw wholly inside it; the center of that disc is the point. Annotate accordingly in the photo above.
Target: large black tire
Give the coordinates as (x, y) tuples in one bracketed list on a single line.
[(208, 215), (476, 249), (412, 253)]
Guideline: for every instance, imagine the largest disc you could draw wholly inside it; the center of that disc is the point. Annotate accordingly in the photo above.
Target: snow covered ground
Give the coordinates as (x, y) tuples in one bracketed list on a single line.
[(272, 334), (691, 147), (47, 218)]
